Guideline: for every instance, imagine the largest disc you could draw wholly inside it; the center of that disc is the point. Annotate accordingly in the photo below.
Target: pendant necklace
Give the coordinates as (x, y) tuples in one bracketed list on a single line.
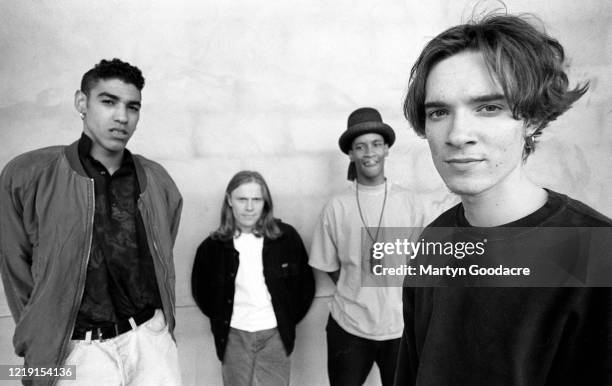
[(375, 238)]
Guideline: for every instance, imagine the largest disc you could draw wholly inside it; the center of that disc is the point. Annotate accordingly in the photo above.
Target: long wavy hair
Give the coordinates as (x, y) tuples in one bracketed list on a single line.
[(266, 225)]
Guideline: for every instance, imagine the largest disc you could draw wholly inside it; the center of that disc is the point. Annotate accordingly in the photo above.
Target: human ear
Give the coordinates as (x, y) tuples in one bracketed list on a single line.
[(351, 156), (80, 103)]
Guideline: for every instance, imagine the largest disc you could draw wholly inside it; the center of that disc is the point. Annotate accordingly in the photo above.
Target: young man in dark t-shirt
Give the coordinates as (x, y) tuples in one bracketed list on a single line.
[(481, 93)]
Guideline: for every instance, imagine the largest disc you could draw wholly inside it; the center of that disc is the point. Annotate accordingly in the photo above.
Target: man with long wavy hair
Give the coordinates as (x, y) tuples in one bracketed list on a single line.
[(251, 278)]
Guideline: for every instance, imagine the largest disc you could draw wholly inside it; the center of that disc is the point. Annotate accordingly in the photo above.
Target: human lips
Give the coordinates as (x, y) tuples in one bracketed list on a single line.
[(119, 132), (463, 160), (464, 163)]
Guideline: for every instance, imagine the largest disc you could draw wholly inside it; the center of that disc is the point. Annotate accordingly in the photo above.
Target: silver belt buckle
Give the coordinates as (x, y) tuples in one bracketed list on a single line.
[(100, 335)]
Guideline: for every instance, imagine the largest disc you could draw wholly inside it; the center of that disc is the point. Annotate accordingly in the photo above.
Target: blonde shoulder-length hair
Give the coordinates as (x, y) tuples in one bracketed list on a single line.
[(266, 225)]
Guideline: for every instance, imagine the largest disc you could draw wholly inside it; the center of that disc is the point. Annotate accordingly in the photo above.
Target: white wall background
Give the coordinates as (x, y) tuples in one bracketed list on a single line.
[(268, 85)]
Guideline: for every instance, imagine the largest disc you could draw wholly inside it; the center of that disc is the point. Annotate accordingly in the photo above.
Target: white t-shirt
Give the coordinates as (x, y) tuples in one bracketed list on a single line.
[(252, 301), (369, 312)]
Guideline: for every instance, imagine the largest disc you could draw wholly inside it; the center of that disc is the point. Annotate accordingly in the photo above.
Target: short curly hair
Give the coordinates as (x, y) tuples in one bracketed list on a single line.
[(112, 69), (528, 63)]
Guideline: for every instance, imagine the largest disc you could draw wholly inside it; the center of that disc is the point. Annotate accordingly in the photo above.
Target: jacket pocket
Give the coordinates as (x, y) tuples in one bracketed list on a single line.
[(284, 270)]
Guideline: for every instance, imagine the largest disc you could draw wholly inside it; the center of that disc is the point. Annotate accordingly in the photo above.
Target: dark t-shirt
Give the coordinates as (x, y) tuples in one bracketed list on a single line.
[(510, 336)]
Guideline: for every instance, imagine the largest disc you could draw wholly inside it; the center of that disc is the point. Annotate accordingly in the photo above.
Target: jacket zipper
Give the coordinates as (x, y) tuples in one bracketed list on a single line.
[(161, 262), (82, 276)]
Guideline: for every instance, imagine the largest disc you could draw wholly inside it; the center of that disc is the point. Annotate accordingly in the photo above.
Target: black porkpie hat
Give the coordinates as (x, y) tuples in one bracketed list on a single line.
[(363, 121)]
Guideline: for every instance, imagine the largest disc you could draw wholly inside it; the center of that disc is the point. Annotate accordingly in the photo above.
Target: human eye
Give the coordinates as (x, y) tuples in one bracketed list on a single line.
[(437, 114), (489, 109), (358, 147), (108, 102), (379, 144), (135, 108)]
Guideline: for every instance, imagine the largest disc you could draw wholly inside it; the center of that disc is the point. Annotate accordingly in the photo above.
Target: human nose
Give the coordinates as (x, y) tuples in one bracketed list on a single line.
[(249, 205), (121, 114), (461, 130)]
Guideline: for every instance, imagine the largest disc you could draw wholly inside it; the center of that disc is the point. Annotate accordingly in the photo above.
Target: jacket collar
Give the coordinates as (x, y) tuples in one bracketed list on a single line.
[(72, 154), (228, 244)]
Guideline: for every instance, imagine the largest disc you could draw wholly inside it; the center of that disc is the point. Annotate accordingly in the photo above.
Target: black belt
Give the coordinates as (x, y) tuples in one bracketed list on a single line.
[(108, 332)]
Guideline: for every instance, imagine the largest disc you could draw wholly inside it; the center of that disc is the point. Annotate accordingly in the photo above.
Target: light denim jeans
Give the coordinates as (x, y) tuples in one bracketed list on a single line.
[(146, 355), (255, 359)]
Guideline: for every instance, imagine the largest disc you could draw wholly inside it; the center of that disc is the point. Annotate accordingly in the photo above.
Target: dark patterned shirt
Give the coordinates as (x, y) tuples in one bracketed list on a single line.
[(120, 278)]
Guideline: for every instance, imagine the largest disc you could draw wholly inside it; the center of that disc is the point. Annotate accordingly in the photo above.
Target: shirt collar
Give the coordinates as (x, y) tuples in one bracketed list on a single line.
[(84, 149)]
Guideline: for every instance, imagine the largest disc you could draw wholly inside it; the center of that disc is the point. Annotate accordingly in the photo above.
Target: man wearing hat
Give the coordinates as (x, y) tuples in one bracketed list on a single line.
[(365, 324)]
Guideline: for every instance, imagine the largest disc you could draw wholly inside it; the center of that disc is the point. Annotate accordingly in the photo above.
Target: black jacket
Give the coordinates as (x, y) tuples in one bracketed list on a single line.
[(287, 275)]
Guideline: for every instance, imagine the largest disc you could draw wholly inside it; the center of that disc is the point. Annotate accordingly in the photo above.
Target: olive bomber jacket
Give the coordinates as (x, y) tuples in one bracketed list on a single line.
[(46, 221)]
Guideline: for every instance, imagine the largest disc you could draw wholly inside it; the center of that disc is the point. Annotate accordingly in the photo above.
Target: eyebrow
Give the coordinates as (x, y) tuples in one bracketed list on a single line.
[(105, 94), (363, 142), (478, 99), (434, 104), (489, 98)]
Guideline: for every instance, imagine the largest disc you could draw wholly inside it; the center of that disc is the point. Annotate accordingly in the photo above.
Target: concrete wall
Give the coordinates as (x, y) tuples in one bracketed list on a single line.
[(268, 86)]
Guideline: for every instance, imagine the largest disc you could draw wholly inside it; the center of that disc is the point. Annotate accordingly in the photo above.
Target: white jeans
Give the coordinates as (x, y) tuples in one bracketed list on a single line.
[(143, 356)]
